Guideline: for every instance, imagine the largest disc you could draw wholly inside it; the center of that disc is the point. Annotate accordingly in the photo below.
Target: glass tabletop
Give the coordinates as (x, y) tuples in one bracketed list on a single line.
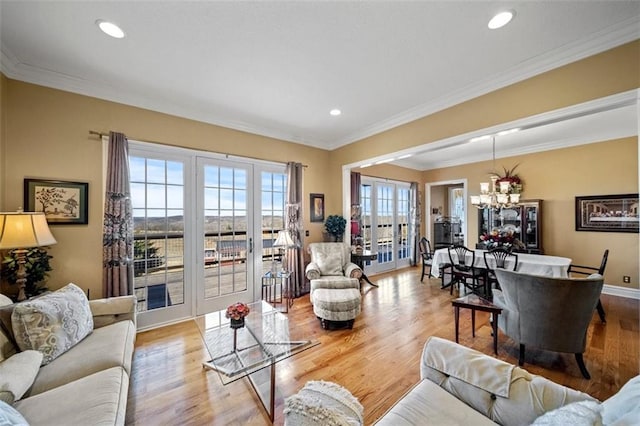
[(265, 339)]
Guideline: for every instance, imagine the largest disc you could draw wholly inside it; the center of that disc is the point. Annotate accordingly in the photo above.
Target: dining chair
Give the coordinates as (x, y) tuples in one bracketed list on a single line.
[(499, 256), (427, 256), (464, 271), (588, 270)]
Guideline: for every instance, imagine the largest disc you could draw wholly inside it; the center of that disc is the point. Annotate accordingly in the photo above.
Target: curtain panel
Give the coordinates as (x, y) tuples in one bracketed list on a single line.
[(117, 239), (294, 224), (414, 213)]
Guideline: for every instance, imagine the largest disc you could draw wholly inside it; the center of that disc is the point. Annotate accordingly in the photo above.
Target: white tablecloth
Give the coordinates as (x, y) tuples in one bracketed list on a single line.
[(534, 264)]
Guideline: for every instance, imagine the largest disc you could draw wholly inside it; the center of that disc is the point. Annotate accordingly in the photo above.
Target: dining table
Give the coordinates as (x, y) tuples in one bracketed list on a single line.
[(534, 264)]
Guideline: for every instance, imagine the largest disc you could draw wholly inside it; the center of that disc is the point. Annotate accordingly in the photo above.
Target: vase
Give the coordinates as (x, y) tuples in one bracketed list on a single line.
[(237, 323)]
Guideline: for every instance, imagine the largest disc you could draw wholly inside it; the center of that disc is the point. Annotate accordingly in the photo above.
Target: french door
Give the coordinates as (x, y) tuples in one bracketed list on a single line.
[(225, 232), (203, 229), (386, 223)]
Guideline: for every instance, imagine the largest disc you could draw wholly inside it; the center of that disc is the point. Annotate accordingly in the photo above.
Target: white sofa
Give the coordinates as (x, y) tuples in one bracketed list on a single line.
[(460, 386), (88, 383)]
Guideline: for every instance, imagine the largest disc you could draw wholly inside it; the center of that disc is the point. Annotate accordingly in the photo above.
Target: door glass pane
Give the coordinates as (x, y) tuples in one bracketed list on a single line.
[(385, 215), (225, 231), (403, 221), (158, 217), (273, 198)]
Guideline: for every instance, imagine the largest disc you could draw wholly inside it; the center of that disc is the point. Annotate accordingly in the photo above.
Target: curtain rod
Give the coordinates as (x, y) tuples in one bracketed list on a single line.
[(94, 132)]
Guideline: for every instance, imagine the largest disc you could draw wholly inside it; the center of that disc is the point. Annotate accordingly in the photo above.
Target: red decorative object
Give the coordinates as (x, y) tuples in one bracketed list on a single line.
[(237, 311)]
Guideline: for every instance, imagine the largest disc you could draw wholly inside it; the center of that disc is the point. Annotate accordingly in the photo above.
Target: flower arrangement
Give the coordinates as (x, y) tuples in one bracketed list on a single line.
[(515, 183), (237, 311), (497, 238)]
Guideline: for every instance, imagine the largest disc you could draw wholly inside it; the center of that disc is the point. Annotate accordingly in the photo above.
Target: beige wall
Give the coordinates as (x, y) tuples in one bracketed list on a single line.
[(47, 136), (557, 177)]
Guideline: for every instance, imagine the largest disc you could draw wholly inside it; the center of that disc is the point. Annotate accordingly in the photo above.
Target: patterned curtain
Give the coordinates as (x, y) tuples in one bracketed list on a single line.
[(293, 223), (356, 208), (414, 214), (117, 238)]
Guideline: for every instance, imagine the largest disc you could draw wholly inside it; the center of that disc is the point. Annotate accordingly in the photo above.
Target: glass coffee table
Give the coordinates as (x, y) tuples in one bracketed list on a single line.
[(266, 339)]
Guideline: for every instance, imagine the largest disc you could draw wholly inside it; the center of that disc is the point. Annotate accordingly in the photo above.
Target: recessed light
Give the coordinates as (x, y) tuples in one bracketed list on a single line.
[(387, 160), (366, 165), (480, 138), (506, 132), (501, 19), (402, 157), (110, 28), (335, 112)]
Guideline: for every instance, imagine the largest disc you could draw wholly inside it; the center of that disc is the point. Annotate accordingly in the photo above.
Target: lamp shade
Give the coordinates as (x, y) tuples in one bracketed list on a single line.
[(24, 230), (284, 240)]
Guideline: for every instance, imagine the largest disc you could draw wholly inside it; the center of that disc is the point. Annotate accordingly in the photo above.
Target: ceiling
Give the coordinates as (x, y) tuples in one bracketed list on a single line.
[(277, 68)]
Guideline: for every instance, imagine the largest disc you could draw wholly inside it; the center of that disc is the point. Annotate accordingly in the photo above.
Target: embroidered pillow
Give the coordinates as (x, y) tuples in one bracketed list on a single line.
[(53, 323)]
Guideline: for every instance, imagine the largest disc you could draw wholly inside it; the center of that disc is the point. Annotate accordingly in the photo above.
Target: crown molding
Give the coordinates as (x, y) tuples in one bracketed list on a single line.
[(612, 37)]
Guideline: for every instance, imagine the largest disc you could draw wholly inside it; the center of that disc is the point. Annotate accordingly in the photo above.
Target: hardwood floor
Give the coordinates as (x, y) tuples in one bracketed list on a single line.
[(378, 361)]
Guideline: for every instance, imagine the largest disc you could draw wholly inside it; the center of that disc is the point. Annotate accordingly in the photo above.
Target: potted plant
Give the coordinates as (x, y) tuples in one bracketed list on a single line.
[(335, 226), (37, 268)]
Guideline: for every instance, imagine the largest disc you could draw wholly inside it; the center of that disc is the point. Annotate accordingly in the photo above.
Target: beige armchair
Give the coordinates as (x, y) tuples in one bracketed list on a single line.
[(547, 313), (335, 283)]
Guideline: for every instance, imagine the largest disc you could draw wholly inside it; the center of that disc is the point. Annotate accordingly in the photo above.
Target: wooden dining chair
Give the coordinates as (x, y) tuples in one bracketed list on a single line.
[(464, 271), (427, 257), (588, 270), (499, 256)]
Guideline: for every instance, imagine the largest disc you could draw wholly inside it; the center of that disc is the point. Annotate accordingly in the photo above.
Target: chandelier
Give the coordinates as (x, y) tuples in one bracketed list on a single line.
[(492, 197)]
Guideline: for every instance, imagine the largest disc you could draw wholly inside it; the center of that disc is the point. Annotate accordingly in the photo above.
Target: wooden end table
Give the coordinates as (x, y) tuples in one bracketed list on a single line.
[(477, 303), (360, 258)]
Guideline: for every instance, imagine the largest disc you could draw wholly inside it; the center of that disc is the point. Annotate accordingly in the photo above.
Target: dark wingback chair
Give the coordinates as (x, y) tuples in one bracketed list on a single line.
[(535, 313), (427, 256), (588, 270)]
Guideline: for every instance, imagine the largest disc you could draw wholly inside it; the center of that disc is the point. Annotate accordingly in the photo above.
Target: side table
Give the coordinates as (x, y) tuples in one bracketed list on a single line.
[(359, 259), (477, 303), (270, 284)]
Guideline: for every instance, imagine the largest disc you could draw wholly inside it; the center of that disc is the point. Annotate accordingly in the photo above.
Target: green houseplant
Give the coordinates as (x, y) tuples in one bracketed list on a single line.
[(37, 268), (335, 226)]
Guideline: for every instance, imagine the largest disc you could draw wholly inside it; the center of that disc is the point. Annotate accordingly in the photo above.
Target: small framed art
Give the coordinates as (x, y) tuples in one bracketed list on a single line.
[(63, 202), (316, 203)]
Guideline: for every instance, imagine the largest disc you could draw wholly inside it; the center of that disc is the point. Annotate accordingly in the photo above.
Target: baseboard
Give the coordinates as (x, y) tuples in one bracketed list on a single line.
[(614, 290)]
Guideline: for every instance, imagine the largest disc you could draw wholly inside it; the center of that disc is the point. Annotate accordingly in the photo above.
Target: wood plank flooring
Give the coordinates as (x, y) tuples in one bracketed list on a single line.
[(378, 361)]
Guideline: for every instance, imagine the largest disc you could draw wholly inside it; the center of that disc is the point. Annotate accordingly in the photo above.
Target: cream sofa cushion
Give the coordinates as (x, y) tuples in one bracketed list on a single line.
[(18, 372), (96, 399), (428, 403), (106, 347), (52, 323), (528, 396)]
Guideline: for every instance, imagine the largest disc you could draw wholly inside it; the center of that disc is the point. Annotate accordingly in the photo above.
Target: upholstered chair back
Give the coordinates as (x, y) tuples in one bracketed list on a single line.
[(547, 313), (331, 258)]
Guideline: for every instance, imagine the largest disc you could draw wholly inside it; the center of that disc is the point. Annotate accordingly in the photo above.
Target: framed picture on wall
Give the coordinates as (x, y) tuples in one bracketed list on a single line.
[(316, 205), (607, 213), (63, 202)]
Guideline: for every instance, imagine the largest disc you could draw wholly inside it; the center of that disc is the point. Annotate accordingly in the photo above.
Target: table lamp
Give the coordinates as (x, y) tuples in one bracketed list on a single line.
[(20, 231), (284, 241)]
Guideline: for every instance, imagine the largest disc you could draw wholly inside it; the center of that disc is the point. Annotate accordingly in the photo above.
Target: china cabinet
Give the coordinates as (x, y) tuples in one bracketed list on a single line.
[(523, 220)]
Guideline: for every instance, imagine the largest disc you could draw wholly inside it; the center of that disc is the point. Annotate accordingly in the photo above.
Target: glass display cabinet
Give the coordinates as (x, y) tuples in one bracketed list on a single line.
[(524, 220)]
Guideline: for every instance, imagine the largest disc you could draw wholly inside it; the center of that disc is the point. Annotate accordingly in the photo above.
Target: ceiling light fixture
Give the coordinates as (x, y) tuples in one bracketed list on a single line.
[(402, 157), (366, 165), (388, 160), (507, 196), (501, 19), (110, 28), (335, 112)]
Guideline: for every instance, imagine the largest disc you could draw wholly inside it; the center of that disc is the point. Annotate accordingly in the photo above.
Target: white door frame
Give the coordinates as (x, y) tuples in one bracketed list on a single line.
[(427, 207)]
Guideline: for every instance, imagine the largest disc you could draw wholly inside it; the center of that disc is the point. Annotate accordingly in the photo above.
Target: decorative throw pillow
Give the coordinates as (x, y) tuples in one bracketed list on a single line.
[(11, 416), (53, 323), (582, 413), (18, 372)]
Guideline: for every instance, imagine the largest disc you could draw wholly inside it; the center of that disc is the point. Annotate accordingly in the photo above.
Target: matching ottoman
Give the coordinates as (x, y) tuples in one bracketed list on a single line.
[(321, 403), (336, 304)]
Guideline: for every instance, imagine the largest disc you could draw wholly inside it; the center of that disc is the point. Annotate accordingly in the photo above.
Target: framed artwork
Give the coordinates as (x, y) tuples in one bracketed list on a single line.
[(63, 202), (607, 213), (316, 202)]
